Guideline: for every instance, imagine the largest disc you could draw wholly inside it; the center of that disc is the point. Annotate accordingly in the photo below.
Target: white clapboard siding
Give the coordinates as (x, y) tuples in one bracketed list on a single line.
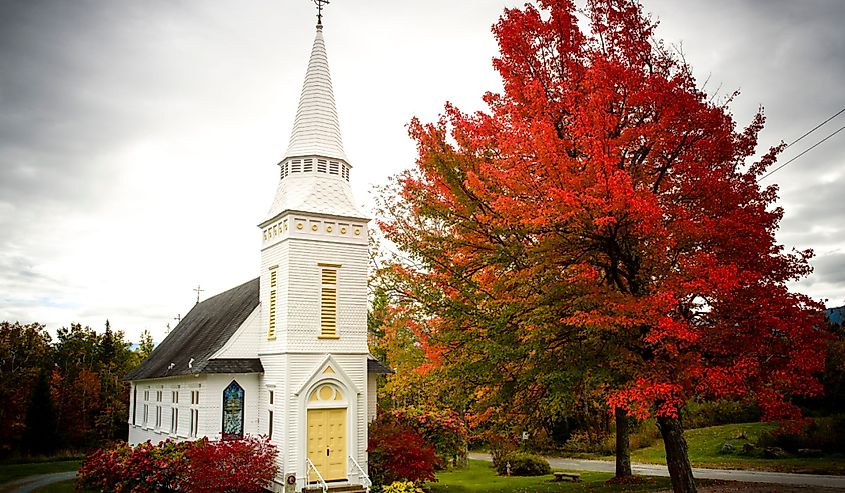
[(245, 342)]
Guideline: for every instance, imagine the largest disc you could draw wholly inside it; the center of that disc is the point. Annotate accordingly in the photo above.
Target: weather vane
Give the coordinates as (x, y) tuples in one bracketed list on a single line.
[(320, 4)]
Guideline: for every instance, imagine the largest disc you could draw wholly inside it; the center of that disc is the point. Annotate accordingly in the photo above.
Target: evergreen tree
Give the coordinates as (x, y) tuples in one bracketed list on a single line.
[(107, 344), (41, 436), (24, 352), (146, 346)]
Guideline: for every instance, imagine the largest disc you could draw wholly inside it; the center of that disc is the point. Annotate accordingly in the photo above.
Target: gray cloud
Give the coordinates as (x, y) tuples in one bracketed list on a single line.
[(813, 215), (56, 116), (830, 267), (81, 80)]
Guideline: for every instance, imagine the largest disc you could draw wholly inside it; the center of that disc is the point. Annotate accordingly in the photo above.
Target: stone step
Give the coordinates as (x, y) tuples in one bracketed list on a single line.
[(345, 488)]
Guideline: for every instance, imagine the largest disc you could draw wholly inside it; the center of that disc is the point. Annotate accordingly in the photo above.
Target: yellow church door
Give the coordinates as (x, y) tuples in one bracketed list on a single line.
[(327, 442)]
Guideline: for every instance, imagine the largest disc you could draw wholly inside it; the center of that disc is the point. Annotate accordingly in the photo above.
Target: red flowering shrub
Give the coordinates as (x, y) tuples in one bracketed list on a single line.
[(102, 469), (397, 452), (231, 465), (141, 469), (201, 466), (441, 428)]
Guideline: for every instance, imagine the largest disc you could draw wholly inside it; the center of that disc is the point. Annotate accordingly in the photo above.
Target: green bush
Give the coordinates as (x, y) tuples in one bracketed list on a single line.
[(645, 435), (595, 441), (642, 434), (787, 441), (524, 464), (715, 413), (826, 434), (500, 448)]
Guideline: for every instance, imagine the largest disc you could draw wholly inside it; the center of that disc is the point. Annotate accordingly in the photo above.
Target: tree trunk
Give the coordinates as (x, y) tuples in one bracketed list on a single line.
[(623, 445), (677, 459)]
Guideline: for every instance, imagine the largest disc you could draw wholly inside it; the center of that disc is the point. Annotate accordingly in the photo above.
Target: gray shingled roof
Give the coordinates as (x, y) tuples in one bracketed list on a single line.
[(234, 365), (376, 366), (203, 331)]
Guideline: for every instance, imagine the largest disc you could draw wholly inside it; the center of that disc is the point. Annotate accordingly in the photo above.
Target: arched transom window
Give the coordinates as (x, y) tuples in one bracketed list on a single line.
[(326, 393)]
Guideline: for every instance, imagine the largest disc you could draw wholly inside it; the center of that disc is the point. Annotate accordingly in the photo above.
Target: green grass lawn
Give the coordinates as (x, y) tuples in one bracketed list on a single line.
[(11, 472), (705, 445), (480, 477)]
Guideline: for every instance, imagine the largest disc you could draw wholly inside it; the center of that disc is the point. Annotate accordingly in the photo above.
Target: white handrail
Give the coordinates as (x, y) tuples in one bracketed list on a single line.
[(310, 465), (368, 481)]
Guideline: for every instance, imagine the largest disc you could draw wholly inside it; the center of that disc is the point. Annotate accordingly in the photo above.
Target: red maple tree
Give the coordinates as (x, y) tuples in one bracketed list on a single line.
[(605, 207)]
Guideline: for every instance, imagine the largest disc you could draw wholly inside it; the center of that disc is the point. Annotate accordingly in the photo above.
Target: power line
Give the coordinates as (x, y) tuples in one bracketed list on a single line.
[(809, 149), (815, 128), (806, 150)]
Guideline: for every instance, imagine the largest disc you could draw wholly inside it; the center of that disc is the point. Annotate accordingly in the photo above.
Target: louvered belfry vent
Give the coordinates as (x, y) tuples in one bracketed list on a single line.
[(328, 302)]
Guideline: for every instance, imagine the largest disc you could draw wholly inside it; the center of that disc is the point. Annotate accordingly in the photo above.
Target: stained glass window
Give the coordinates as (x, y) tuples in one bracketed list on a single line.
[(233, 411)]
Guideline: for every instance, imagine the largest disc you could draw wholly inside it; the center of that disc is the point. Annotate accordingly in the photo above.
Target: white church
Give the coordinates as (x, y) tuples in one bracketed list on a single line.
[(284, 355)]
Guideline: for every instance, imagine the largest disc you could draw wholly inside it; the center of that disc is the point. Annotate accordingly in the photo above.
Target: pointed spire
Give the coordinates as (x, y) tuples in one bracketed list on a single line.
[(316, 131), (314, 174)]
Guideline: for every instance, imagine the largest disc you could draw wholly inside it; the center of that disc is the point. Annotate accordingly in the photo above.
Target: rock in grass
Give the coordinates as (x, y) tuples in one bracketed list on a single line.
[(774, 453)]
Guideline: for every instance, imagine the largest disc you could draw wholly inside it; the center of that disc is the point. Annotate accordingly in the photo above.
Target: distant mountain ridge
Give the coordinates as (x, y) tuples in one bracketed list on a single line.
[(836, 315)]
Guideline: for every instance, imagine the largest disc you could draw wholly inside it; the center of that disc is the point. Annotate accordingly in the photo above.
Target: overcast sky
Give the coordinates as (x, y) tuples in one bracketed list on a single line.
[(139, 140)]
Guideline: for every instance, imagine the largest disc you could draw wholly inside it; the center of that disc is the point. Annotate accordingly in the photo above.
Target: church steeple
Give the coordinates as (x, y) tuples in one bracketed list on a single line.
[(312, 315), (314, 174)]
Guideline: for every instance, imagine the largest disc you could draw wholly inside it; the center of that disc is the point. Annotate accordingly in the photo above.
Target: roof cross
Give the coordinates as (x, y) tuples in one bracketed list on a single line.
[(198, 290), (320, 4)]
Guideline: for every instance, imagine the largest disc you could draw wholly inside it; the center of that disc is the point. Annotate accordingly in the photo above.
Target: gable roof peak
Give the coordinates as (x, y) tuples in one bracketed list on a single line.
[(189, 348)]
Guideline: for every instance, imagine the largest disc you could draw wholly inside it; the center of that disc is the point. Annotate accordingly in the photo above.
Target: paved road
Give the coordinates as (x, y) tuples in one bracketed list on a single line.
[(29, 483), (725, 474)]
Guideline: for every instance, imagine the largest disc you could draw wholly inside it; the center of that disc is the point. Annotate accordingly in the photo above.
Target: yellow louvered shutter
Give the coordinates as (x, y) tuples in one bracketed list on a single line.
[(328, 302), (271, 326)]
